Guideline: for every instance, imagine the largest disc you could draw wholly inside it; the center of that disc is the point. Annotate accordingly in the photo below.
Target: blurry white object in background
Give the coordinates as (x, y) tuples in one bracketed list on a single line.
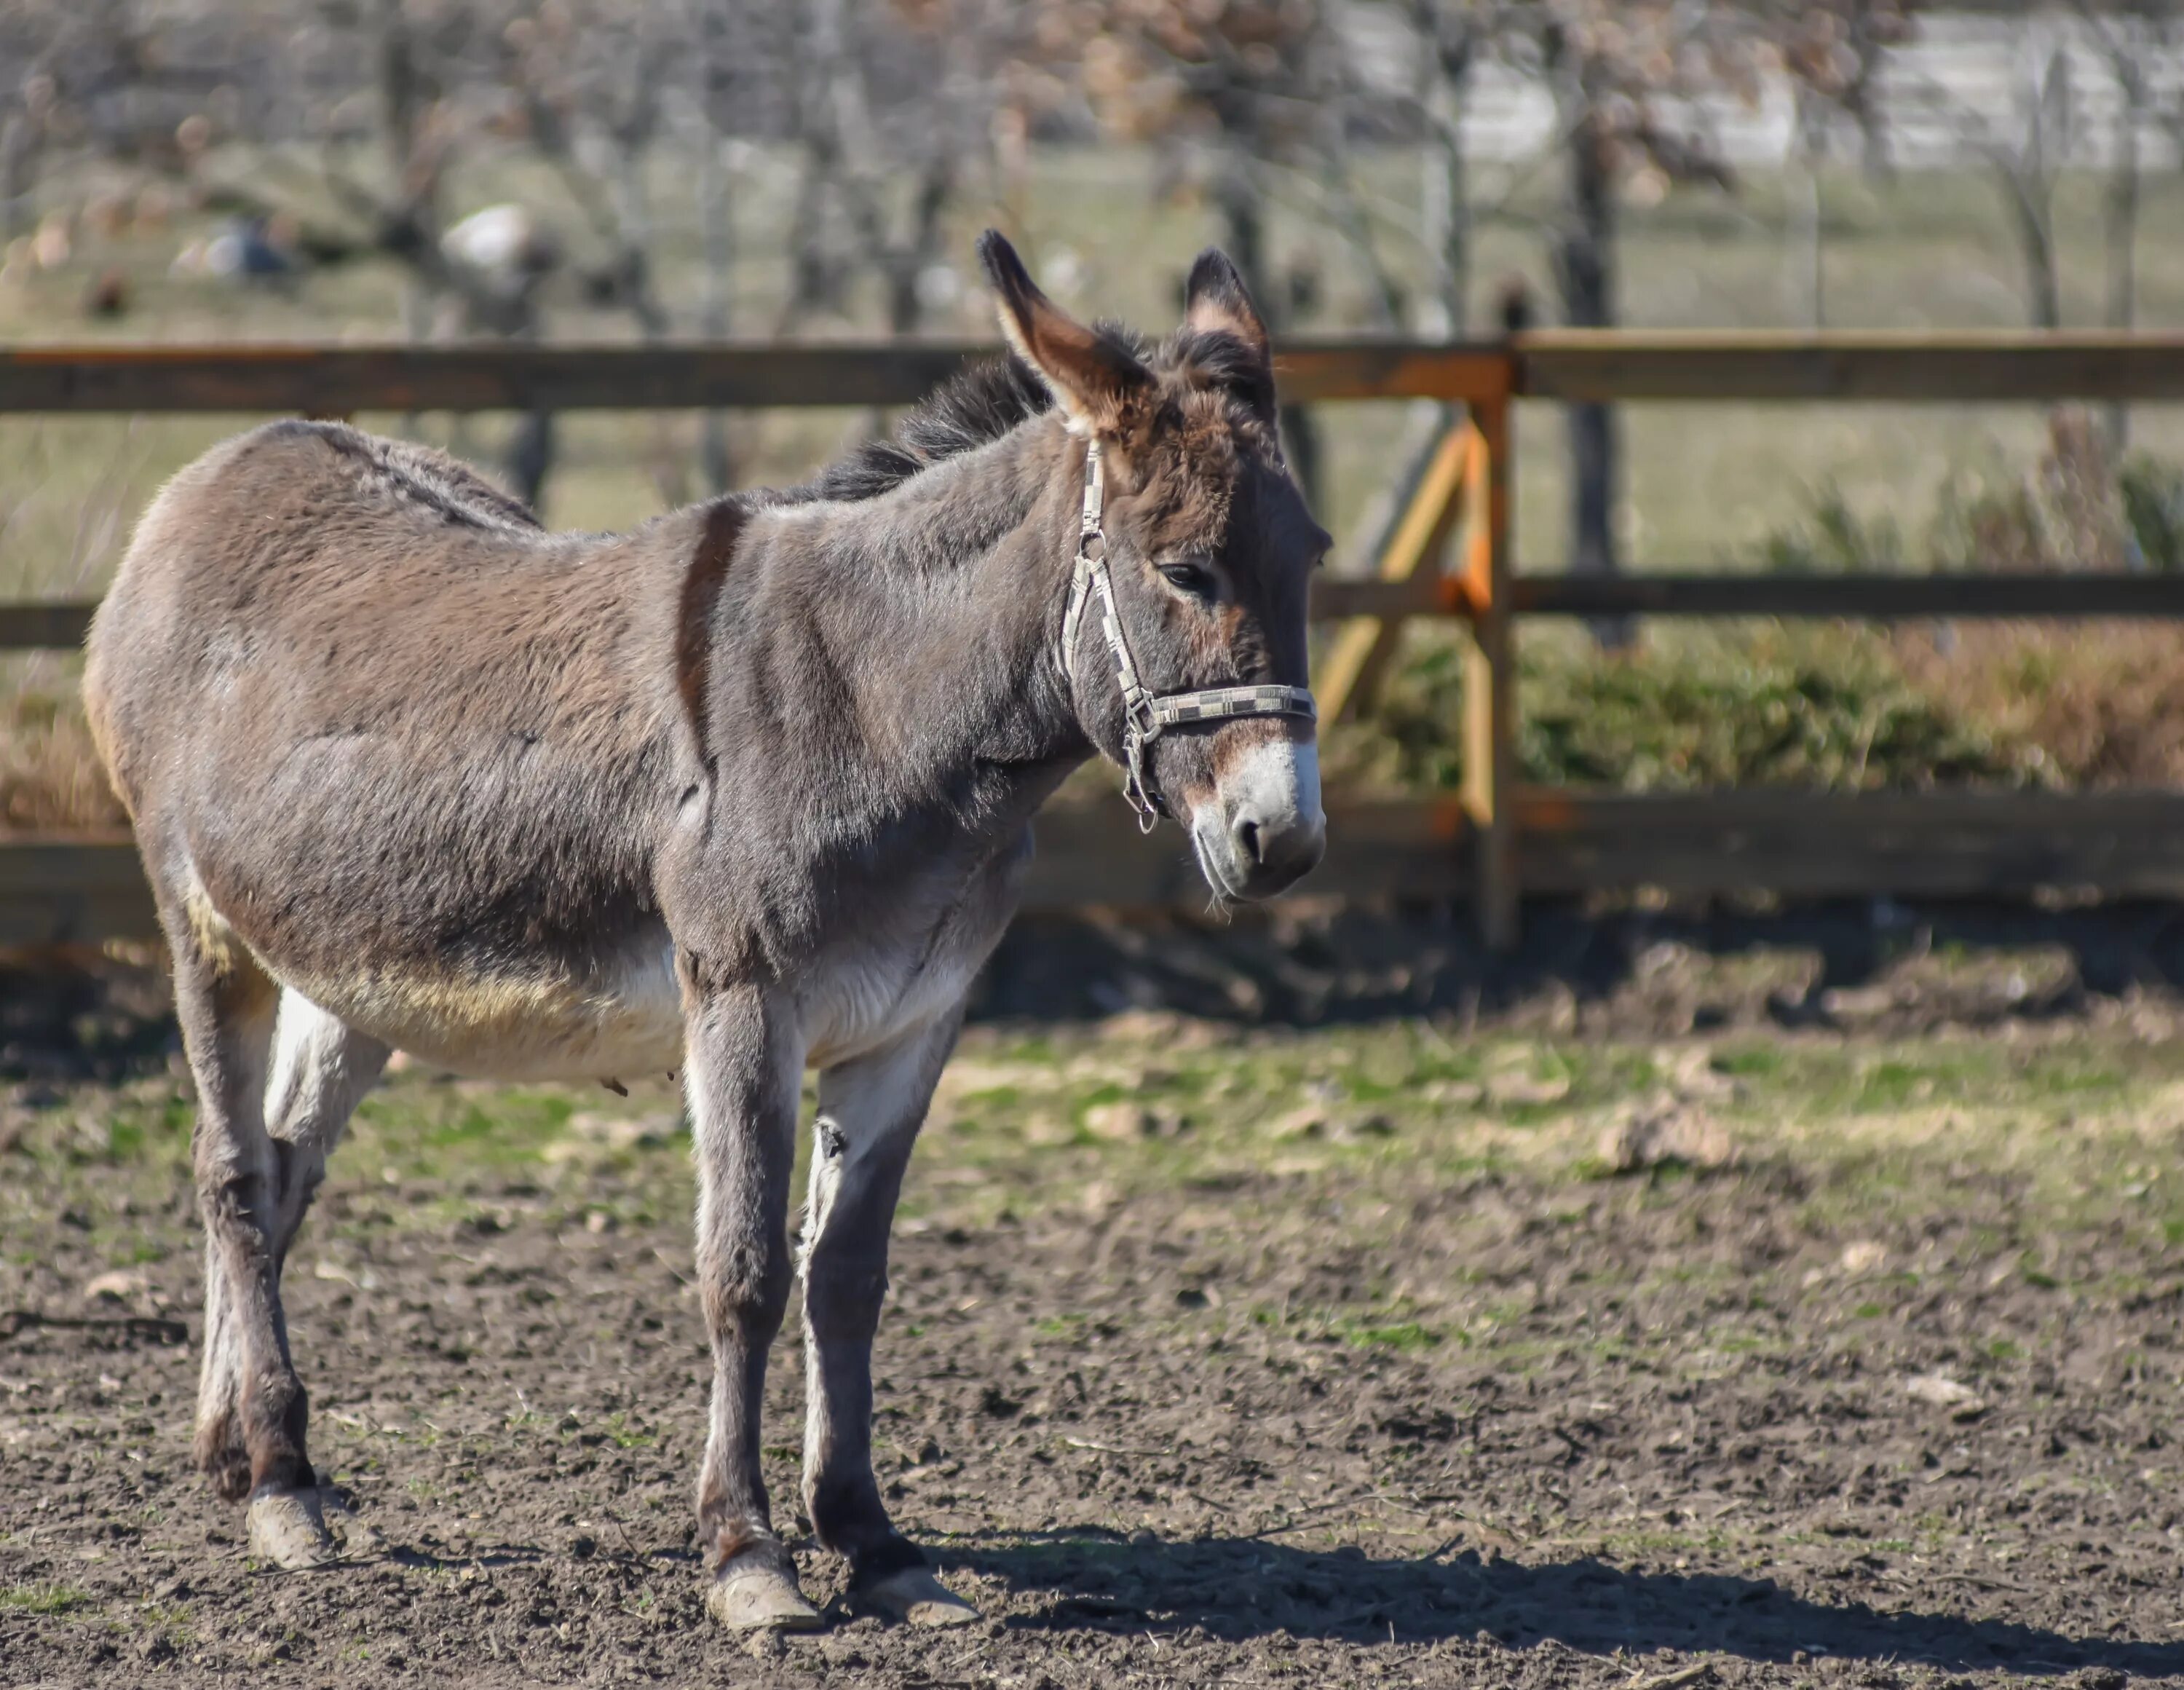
[(1062, 271), (53, 244), (939, 286), (500, 239)]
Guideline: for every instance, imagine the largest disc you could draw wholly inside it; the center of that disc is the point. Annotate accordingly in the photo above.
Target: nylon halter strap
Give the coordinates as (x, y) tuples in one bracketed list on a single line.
[(1147, 714)]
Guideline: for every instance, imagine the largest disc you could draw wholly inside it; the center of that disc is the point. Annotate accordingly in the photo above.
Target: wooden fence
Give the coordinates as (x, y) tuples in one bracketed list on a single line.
[(1491, 843)]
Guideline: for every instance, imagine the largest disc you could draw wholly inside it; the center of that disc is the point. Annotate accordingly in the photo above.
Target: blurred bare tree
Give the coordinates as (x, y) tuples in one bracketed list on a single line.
[(135, 81), (1451, 37), (1628, 78), (1833, 54), (892, 112), (1232, 92), (714, 25), (2050, 124), (2026, 150), (2134, 39)]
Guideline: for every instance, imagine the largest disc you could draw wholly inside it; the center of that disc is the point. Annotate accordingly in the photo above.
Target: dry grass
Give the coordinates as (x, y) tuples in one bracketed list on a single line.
[(50, 778), (2100, 704)]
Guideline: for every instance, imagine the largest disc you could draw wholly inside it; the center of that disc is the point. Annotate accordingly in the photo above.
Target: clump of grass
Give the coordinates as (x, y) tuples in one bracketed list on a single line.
[(2098, 705), (2092, 704), (1411, 1336), (1657, 721), (42, 1598), (50, 777), (2152, 493), (1685, 715), (1832, 538)]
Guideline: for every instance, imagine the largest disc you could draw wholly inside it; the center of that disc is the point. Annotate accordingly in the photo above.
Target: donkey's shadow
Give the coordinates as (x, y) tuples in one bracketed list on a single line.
[(1242, 1588)]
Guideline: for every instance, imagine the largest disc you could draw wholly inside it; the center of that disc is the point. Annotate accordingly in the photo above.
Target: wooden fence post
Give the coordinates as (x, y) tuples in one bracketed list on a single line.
[(1490, 689)]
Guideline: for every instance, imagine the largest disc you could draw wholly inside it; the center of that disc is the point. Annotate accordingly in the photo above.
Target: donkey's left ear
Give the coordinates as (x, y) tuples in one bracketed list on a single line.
[(1103, 388), (1215, 301)]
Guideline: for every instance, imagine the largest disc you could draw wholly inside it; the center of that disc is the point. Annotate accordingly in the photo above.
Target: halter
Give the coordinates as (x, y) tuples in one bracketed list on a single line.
[(1147, 714)]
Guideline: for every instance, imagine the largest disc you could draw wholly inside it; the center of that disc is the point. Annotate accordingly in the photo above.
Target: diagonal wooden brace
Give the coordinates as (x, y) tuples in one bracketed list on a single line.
[(1350, 676)]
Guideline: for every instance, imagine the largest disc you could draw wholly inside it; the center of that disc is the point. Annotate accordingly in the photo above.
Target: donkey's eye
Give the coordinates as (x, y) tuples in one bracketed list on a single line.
[(1193, 578)]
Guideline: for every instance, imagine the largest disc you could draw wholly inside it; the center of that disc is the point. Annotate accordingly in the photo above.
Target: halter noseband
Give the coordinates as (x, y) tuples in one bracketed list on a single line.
[(1147, 714)]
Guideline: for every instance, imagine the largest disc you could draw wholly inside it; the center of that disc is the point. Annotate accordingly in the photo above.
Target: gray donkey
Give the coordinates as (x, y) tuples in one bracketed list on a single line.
[(744, 792)]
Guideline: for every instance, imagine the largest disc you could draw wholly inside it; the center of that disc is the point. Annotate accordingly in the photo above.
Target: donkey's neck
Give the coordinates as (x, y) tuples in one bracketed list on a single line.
[(936, 608)]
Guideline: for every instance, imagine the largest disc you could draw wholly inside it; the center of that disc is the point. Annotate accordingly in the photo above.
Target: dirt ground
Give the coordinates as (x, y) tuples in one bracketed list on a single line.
[(1383, 1355)]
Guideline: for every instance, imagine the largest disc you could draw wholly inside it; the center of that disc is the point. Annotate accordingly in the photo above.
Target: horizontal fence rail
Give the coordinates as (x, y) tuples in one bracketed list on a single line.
[(41, 627), (1862, 597), (1450, 556), (338, 380), (1954, 369), (1560, 363)]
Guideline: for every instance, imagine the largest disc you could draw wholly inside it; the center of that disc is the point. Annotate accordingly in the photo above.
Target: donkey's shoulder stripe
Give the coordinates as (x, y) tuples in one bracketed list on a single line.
[(724, 525)]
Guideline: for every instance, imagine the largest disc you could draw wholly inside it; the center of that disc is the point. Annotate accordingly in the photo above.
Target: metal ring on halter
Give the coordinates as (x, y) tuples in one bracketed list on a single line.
[(1146, 715)]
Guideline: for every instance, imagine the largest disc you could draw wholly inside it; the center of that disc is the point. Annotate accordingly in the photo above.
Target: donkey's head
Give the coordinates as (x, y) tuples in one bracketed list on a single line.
[(1207, 551)]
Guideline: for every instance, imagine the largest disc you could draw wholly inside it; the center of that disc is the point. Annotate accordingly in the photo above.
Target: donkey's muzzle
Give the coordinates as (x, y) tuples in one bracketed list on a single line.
[(1266, 830)]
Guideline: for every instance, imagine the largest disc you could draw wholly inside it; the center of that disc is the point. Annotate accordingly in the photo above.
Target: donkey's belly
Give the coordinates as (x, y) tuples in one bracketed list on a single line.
[(859, 1008), (512, 1025)]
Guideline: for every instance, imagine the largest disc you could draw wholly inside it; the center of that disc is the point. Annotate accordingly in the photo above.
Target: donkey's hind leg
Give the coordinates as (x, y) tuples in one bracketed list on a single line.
[(322, 1067), (252, 1411), (320, 1071)]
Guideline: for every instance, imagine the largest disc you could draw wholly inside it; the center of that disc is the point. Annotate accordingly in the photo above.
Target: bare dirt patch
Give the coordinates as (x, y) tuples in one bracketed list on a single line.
[(1415, 1392)]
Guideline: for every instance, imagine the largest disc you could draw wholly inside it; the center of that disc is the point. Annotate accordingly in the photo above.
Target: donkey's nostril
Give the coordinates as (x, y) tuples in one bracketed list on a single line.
[(1247, 836)]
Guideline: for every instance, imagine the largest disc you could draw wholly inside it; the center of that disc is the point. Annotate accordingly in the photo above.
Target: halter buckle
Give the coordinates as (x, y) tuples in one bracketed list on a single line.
[(1136, 794)]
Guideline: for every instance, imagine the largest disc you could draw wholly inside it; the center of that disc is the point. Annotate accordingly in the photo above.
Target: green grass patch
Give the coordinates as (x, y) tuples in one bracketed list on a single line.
[(43, 1599), (1397, 1335), (623, 1434)]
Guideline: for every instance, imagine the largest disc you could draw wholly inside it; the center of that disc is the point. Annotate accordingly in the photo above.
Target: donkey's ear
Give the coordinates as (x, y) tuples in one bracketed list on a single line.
[(1215, 301), (1103, 388)]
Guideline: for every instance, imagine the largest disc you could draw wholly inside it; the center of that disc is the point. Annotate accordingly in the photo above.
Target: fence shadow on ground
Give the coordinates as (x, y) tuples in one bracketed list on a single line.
[(1237, 1587), (1303, 965)]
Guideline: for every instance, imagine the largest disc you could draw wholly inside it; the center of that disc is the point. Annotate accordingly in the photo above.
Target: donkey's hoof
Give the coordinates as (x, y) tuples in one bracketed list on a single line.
[(914, 1596), (757, 1592), (287, 1528)]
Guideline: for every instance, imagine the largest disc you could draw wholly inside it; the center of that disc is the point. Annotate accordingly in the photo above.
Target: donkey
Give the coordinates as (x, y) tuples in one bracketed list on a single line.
[(745, 791)]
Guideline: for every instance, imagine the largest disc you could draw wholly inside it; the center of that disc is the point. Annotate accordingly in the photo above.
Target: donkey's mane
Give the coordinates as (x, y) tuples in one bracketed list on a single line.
[(987, 400), (964, 413)]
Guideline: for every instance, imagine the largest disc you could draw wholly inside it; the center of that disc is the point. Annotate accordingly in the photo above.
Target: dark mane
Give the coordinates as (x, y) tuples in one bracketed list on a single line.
[(987, 400), (982, 403)]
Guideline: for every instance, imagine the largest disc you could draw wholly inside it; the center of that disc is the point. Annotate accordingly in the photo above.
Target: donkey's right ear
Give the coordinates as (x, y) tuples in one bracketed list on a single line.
[(1101, 387)]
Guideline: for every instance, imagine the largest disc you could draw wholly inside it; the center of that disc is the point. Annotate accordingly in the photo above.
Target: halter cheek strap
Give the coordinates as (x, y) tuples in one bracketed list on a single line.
[(1147, 714)]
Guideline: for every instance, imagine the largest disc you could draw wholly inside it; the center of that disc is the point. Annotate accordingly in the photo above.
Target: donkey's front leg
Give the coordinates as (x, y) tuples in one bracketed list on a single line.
[(745, 1063), (869, 1113)]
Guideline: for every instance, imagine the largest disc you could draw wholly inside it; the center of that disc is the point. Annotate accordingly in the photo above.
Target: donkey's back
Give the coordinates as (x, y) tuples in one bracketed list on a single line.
[(360, 705)]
